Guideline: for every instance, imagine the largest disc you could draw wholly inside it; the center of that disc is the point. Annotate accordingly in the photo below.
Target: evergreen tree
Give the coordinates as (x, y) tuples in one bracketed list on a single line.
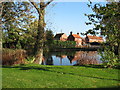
[(49, 38), (15, 18)]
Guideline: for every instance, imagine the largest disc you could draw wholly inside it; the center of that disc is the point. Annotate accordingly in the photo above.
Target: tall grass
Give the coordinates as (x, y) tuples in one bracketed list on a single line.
[(13, 56)]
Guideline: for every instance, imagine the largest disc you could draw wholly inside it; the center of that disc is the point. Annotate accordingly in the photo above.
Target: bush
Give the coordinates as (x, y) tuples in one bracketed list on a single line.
[(13, 56), (109, 58), (64, 44)]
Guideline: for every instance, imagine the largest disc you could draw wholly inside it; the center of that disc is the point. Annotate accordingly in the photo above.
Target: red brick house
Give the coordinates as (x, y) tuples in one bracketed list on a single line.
[(75, 37), (89, 39), (60, 36)]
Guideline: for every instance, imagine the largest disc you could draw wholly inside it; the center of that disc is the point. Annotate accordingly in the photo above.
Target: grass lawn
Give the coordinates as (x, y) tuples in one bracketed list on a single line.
[(43, 76)]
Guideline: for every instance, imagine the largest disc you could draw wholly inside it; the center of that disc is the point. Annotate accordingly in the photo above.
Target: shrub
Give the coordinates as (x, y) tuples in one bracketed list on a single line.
[(109, 58), (64, 44), (11, 56)]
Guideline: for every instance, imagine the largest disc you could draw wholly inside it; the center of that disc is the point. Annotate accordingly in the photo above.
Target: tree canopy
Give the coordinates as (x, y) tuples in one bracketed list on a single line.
[(107, 23), (16, 16)]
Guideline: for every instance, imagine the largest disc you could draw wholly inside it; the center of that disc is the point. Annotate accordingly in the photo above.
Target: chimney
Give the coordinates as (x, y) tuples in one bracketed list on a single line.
[(71, 33), (77, 33)]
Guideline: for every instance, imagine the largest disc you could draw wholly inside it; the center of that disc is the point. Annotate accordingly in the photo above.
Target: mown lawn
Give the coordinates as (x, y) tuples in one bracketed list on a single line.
[(43, 76)]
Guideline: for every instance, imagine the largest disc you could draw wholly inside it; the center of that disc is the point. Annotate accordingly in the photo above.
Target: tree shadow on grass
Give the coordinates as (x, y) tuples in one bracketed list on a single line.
[(24, 67), (96, 66), (50, 69), (109, 88), (91, 66)]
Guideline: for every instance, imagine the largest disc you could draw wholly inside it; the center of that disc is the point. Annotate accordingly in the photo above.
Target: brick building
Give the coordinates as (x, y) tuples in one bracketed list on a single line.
[(90, 39), (76, 38), (60, 36)]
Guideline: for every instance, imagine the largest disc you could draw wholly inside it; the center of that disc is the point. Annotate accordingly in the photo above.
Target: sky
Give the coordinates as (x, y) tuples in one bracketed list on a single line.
[(68, 16)]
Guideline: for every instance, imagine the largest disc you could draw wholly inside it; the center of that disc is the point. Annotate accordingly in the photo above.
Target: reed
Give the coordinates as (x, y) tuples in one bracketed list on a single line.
[(13, 56)]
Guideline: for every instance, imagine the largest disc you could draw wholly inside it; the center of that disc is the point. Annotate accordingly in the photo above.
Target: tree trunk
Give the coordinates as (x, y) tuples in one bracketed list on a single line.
[(119, 51), (38, 48)]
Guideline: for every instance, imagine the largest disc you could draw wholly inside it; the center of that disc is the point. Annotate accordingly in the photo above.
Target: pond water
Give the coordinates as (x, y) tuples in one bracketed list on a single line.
[(72, 58), (64, 58)]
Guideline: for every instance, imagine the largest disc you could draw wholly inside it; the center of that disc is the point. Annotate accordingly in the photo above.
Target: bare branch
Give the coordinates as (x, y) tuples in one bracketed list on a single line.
[(48, 3), (1, 9), (35, 5)]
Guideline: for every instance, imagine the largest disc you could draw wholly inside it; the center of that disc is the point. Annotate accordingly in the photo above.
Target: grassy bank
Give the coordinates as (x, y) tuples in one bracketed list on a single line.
[(42, 76)]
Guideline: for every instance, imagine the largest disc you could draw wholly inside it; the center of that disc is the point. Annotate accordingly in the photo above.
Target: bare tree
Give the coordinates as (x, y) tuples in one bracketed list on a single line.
[(38, 48)]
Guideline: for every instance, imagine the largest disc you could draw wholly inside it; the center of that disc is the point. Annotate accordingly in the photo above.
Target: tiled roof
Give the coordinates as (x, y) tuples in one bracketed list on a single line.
[(63, 56), (94, 37), (58, 35), (76, 36)]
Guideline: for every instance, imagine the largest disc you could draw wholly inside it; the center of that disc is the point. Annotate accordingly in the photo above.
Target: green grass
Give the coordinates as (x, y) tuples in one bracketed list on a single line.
[(43, 76)]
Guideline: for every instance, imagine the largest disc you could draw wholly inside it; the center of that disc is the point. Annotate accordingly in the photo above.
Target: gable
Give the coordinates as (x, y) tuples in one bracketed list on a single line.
[(58, 35)]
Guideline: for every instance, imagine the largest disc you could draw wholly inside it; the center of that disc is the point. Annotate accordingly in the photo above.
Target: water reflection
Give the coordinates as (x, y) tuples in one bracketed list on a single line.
[(78, 58), (83, 58), (60, 58)]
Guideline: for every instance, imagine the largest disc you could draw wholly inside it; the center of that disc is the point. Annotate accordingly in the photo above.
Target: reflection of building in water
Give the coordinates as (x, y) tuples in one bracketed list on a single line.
[(61, 57), (84, 57)]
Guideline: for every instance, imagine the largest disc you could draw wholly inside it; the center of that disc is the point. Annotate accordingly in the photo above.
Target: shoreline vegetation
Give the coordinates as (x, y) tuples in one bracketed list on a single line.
[(78, 49)]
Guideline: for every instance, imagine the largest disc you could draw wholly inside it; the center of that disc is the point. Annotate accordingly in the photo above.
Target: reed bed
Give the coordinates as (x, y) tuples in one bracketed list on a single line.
[(13, 56)]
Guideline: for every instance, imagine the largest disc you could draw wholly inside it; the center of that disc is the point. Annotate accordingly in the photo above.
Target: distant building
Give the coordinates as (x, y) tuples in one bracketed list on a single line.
[(90, 39), (76, 38), (60, 36)]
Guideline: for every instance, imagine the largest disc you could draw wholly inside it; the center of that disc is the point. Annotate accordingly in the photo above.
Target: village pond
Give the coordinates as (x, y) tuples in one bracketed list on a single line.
[(71, 58), (65, 58)]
